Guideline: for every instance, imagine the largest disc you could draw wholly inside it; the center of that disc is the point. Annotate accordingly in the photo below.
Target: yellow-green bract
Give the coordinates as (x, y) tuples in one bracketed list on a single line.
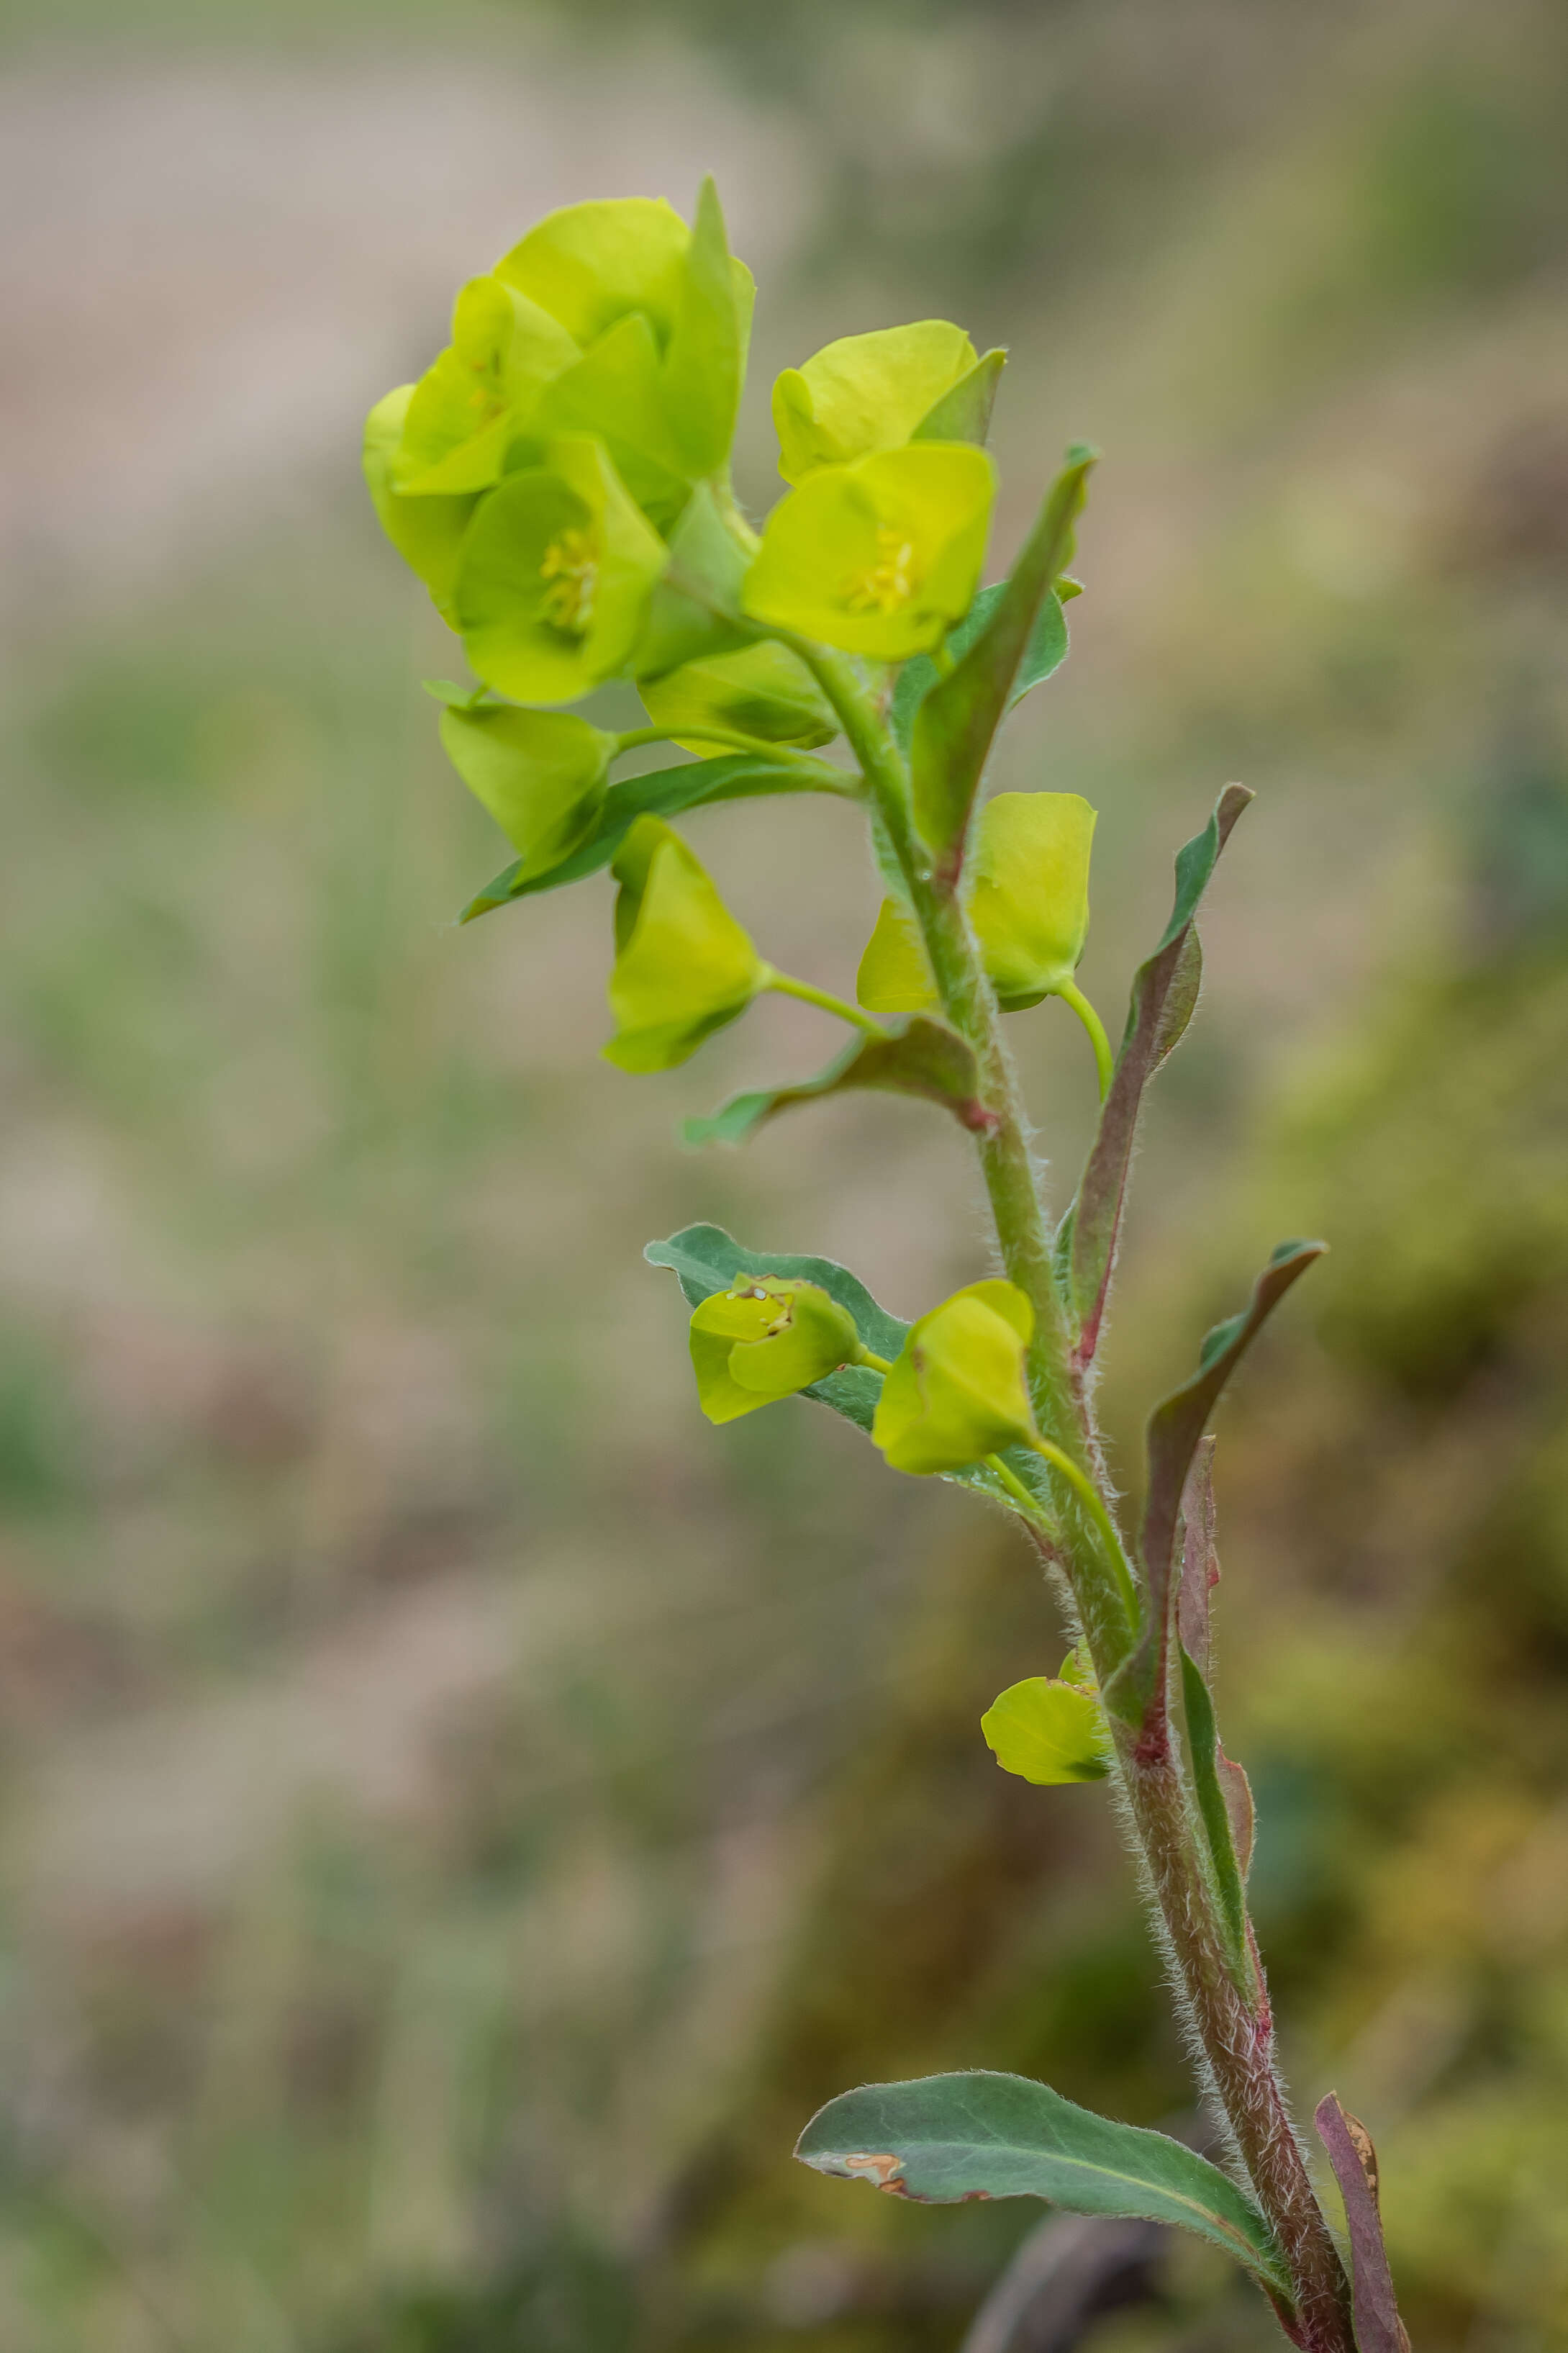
[(554, 576), (427, 532), (683, 965), (765, 1339), (867, 393), (1047, 1731), (763, 690), (1028, 902), (879, 557), (956, 1392), (540, 773)]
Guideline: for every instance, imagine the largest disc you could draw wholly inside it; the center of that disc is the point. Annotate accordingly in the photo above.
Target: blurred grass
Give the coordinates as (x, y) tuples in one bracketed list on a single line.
[(461, 1816)]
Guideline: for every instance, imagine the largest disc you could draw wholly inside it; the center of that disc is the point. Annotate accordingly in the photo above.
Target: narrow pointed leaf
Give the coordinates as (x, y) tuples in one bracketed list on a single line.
[(979, 2134), (1164, 992), (917, 1056), (706, 361), (964, 414), (1176, 1428), (1378, 2327), (1046, 652), (1203, 1744), (955, 723), (661, 792)]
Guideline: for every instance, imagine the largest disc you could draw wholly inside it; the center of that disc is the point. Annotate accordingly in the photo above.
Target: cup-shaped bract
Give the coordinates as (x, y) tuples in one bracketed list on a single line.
[(469, 406), (957, 1391), (683, 966), (427, 532), (590, 265), (766, 1338), (540, 773), (880, 557), (763, 690), (662, 316), (1028, 902), (555, 574), (1029, 898), (865, 393), (894, 976)]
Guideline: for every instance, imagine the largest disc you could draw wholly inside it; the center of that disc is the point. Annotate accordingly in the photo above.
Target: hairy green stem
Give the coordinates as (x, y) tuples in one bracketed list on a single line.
[(1232, 2027)]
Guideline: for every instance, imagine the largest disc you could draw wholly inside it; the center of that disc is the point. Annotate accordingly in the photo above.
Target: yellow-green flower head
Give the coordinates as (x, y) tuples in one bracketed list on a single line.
[(865, 393), (879, 557), (427, 532), (467, 409), (763, 690), (1028, 902), (540, 773), (766, 1338), (661, 314), (956, 1391), (554, 576), (684, 966)]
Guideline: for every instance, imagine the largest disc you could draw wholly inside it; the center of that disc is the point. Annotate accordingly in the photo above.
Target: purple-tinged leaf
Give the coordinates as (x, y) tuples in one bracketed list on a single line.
[(1200, 1575), (916, 1057), (1164, 993), (1138, 1690), (1378, 2327), (955, 723)]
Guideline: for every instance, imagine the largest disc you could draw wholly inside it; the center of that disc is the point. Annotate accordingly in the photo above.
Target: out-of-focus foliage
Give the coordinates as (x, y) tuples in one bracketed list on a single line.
[(447, 1857)]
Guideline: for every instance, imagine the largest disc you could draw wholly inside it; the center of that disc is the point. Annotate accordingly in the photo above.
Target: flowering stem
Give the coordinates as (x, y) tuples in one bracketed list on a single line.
[(783, 986), (1233, 2026), (1104, 1060)]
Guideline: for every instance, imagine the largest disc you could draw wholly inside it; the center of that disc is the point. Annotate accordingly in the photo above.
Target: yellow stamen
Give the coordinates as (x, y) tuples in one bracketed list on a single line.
[(571, 563), (891, 582)]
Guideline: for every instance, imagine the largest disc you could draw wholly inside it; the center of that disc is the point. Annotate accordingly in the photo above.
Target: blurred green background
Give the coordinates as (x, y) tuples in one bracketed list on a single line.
[(461, 1813)]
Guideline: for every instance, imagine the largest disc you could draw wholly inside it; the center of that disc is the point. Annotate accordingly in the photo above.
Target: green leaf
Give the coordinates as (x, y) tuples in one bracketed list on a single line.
[(964, 413), (684, 967), (1176, 1428), (1378, 2327), (763, 690), (870, 392), (915, 1058), (662, 792), (1046, 651), (879, 557), (766, 1338), (956, 1391), (979, 2134), (955, 723), (1048, 1732), (554, 577), (540, 773), (706, 365), (426, 533), (1164, 992)]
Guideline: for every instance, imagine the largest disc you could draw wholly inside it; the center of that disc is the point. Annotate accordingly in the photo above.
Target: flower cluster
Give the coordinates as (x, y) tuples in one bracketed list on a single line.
[(559, 478)]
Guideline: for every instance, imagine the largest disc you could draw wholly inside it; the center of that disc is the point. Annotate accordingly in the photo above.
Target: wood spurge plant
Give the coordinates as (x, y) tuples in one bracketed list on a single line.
[(560, 481)]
